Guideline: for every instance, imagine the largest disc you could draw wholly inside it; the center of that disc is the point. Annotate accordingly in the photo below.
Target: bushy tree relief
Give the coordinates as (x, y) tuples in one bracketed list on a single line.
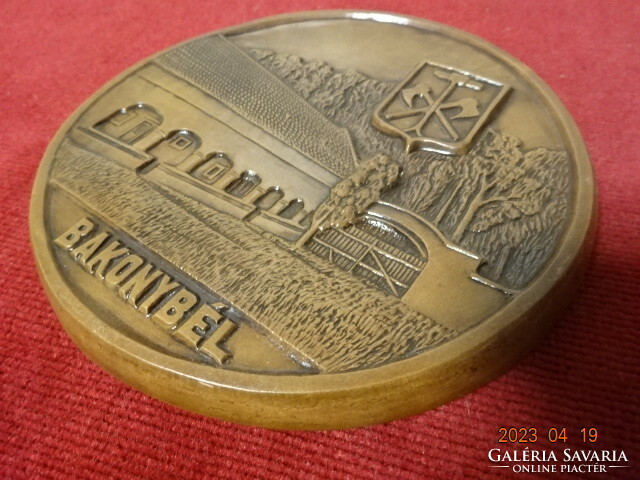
[(499, 201), (351, 196)]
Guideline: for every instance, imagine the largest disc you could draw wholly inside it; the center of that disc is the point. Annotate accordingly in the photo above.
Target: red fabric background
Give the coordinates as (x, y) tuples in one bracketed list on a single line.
[(63, 417)]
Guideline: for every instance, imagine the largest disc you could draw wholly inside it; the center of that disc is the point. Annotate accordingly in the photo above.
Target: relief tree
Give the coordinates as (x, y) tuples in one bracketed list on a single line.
[(498, 201), (513, 220), (426, 186), (433, 190), (498, 169), (351, 196), (526, 230)]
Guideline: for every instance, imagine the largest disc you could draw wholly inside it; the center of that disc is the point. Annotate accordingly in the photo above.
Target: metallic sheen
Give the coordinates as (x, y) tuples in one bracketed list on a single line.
[(321, 220)]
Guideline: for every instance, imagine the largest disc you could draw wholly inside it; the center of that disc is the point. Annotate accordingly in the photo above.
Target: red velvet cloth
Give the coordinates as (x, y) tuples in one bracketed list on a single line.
[(63, 417)]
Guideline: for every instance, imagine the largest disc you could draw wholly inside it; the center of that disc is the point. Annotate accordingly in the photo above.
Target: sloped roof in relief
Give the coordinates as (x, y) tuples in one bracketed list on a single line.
[(226, 72)]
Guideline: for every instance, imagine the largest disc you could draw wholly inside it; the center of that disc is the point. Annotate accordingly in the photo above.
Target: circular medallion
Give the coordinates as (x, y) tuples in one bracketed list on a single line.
[(320, 220)]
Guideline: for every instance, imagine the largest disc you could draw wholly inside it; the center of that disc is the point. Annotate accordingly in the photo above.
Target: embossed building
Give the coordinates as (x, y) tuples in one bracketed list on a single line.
[(209, 122), (228, 132)]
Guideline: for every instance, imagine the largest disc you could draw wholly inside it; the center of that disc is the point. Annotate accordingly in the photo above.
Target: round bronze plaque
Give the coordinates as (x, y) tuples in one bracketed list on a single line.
[(320, 220)]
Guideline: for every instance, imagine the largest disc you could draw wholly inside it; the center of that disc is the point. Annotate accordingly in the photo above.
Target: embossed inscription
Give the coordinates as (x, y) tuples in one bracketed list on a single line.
[(149, 290)]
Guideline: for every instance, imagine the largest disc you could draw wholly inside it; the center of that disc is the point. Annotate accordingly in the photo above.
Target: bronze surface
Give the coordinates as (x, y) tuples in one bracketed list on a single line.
[(320, 220)]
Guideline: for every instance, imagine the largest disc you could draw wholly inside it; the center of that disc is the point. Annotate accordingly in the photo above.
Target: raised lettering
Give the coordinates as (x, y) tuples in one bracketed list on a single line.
[(72, 236), (150, 290), (99, 263), (172, 311), (211, 344), (134, 288), (165, 286), (121, 271), (82, 253), (205, 330)]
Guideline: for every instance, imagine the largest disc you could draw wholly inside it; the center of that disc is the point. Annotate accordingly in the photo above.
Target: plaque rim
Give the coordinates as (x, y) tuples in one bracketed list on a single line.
[(355, 398)]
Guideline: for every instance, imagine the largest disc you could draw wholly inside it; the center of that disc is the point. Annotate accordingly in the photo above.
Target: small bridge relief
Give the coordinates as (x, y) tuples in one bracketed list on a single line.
[(410, 259)]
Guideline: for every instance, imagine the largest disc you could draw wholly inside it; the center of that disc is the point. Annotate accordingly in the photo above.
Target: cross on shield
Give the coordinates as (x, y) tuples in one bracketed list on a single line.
[(439, 108)]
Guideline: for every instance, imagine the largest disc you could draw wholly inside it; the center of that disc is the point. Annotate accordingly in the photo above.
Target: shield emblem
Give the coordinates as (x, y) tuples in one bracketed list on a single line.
[(439, 108)]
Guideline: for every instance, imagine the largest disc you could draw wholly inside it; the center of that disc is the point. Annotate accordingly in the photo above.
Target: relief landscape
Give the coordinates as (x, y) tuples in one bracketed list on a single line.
[(499, 200), (324, 232)]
